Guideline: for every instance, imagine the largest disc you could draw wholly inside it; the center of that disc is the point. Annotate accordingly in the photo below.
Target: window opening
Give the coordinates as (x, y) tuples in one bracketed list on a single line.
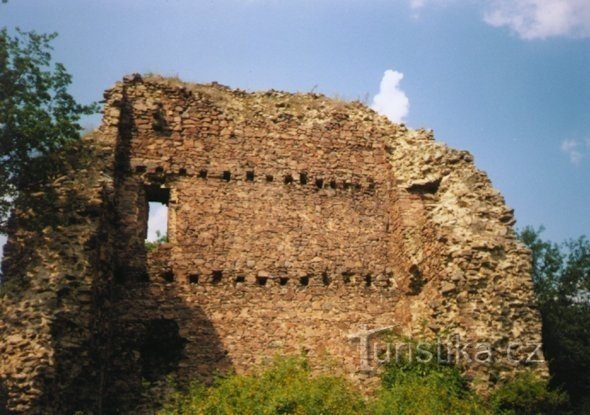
[(157, 218)]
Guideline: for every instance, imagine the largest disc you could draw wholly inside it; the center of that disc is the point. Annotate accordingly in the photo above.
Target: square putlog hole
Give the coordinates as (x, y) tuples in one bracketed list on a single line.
[(303, 178), (168, 276), (216, 277)]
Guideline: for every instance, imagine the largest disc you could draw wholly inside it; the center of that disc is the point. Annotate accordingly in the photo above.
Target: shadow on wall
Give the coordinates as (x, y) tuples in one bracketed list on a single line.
[(3, 398), (147, 336), (107, 339), (46, 274), (156, 335), (153, 333)]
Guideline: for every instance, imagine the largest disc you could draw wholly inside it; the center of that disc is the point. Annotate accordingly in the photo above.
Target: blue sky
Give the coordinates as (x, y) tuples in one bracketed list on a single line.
[(508, 80)]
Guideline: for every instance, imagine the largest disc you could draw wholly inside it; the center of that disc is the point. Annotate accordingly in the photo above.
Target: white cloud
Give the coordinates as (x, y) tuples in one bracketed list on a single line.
[(530, 19), (391, 101), (417, 4), (540, 19), (157, 221), (571, 148)]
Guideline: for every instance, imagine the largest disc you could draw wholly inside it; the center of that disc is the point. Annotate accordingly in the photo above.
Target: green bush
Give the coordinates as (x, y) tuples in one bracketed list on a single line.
[(408, 388), (287, 387), (411, 387), (526, 394), (425, 397)]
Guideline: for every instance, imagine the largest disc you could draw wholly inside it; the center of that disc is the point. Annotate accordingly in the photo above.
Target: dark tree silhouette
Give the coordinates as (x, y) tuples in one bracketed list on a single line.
[(561, 274)]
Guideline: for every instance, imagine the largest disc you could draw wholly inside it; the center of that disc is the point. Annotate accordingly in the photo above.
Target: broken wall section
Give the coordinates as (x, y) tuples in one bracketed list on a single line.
[(279, 225), (483, 291), (310, 209), (56, 270), (294, 220)]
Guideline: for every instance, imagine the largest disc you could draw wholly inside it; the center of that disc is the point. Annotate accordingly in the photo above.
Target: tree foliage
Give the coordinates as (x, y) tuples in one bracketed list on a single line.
[(561, 274), (160, 239), (412, 387), (37, 114), (526, 394), (408, 387), (287, 387)]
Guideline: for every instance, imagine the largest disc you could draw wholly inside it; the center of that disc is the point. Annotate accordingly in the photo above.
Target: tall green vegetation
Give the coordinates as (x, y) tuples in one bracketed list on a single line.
[(37, 114), (287, 387), (407, 388), (526, 394), (412, 387), (561, 275)]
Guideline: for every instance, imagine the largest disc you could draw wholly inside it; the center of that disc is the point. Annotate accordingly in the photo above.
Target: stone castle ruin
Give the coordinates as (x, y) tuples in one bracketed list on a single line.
[(294, 221)]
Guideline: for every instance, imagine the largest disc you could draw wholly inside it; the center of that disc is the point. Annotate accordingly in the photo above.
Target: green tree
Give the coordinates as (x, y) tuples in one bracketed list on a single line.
[(37, 114), (561, 275), (547, 262)]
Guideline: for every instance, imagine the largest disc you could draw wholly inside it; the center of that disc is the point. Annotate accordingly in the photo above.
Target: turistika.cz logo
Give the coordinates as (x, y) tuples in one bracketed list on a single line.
[(381, 345)]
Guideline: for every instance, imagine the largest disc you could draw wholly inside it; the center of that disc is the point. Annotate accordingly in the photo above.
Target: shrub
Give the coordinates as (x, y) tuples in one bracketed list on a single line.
[(287, 387), (425, 397), (526, 394), (408, 387), (411, 387)]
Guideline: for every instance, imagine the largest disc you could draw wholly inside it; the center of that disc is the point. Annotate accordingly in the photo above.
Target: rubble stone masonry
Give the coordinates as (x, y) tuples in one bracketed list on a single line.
[(294, 221)]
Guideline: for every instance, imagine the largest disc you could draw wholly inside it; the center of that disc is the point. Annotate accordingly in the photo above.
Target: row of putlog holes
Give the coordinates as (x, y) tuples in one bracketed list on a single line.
[(269, 178), (217, 276)]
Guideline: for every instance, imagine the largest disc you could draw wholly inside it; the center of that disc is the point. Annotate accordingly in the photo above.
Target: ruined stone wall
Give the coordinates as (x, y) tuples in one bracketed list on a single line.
[(55, 284), (294, 221), (253, 195)]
